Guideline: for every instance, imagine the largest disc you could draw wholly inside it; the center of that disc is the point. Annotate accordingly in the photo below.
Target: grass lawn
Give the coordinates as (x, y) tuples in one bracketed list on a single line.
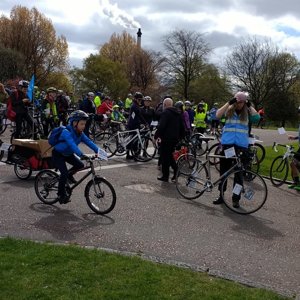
[(42, 271), (264, 168)]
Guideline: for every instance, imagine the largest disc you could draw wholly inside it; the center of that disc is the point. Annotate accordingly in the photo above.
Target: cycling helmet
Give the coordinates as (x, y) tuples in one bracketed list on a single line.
[(187, 103), (147, 98), (115, 106), (78, 115), (299, 110), (138, 95), (23, 83), (51, 90), (216, 104), (201, 104), (129, 95), (179, 104), (60, 91)]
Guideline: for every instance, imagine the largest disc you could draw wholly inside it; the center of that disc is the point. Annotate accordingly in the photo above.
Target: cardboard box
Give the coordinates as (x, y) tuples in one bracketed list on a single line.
[(27, 143), (45, 148)]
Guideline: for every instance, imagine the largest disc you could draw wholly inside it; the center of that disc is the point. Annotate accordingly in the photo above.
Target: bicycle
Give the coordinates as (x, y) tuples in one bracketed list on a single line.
[(193, 178), (99, 193), (139, 142), (280, 166)]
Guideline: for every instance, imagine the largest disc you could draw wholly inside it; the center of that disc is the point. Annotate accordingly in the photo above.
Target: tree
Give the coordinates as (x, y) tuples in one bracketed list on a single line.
[(32, 34), (141, 66), (101, 74), (11, 64), (185, 57)]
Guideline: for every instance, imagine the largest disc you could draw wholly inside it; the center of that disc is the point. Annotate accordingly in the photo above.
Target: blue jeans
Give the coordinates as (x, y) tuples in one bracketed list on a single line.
[(59, 162)]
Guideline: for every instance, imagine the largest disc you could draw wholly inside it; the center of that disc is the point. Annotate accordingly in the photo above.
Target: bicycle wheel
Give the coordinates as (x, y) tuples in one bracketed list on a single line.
[(199, 146), (110, 144), (279, 171), (244, 192), (191, 185), (216, 150), (260, 152), (3, 124), (143, 152), (100, 196), (46, 186), (186, 163), (22, 169)]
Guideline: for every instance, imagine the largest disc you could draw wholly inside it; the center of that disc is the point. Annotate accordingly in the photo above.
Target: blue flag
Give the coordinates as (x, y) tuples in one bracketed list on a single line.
[(31, 88)]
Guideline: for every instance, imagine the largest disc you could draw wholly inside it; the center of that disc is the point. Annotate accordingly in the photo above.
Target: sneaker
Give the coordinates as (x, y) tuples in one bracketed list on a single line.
[(219, 200), (164, 179), (297, 187), (63, 199)]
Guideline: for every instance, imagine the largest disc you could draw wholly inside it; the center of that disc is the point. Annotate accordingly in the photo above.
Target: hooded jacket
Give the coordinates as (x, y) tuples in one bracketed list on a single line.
[(69, 141), (170, 126)]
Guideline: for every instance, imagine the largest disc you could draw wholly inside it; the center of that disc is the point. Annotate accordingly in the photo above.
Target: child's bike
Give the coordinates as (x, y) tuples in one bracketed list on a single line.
[(99, 193)]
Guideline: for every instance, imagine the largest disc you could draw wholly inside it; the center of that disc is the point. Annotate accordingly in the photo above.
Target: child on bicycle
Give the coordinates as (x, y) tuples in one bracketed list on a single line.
[(66, 148), (295, 163)]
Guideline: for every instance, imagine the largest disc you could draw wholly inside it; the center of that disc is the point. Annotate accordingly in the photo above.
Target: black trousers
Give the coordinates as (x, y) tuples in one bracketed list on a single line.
[(166, 156), (59, 161), (19, 119)]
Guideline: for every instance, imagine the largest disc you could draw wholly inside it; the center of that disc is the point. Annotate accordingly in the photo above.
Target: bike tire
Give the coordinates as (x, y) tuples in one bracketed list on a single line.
[(144, 153), (105, 189), (260, 152), (216, 150), (22, 169), (279, 171), (46, 186), (3, 124), (190, 185), (109, 143), (253, 191)]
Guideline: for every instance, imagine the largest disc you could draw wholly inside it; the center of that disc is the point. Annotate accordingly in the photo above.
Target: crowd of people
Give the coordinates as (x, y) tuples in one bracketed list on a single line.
[(176, 120)]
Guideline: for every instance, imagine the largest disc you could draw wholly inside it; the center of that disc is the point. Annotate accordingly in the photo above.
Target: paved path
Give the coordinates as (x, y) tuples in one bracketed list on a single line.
[(152, 219)]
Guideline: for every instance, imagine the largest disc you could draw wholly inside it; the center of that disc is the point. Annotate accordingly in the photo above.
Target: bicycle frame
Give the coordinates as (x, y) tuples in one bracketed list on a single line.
[(209, 185), (127, 140), (289, 153)]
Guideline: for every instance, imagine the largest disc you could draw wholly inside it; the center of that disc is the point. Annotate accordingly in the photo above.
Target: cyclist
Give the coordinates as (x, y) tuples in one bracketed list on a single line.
[(89, 107), (190, 111), (147, 111), (295, 163), (200, 119), (20, 102), (62, 107), (66, 148), (214, 120), (238, 111), (116, 115)]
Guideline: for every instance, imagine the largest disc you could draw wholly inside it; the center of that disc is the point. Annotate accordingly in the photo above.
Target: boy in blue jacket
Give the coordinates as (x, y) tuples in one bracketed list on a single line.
[(65, 150)]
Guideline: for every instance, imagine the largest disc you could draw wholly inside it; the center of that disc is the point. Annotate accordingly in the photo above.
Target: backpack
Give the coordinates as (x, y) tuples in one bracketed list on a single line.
[(10, 113), (54, 136)]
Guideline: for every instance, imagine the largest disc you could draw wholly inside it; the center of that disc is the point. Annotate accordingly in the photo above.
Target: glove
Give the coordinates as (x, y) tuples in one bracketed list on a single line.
[(232, 101), (84, 157), (249, 103)]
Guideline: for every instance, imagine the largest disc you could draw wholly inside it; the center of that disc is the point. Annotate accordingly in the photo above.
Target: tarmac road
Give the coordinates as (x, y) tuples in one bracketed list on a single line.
[(151, 219)]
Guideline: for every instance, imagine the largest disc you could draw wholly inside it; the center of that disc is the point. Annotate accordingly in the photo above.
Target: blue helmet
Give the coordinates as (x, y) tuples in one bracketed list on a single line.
[(78, 115)]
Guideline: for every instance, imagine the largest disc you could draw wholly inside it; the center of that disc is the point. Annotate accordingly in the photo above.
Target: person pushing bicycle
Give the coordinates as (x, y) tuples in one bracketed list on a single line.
[(65, 149), (295, 163), (238, 111)]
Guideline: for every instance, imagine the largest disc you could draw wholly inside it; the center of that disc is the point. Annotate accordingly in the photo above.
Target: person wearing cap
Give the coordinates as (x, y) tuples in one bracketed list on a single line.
[(238, 112), (49, 115), (116, 115), (20, 102)]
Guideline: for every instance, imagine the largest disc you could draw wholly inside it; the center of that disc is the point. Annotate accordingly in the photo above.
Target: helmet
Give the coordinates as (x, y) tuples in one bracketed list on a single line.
[(201, 103), (35, 87), (51, 90), (23, 83), (187, 103), (78, 115), (60, 91), (129, 95), (216, 104), (115, 106), (147, 98), (138, 95), (179, 104), (90, 94)]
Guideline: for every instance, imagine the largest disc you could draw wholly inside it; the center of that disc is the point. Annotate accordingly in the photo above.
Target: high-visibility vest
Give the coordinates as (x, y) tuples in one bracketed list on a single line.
[(235, 132), (199, 120), (97, 101)]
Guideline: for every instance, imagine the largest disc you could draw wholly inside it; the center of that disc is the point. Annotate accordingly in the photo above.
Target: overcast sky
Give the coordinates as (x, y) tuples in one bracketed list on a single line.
[(90, 23)]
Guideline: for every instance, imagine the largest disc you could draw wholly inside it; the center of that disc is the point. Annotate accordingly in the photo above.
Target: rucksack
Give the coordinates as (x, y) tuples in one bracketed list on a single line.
[(54, 136)]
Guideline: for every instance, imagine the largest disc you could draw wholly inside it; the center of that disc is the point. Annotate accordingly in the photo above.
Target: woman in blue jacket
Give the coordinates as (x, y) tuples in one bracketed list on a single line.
[(66, 148)]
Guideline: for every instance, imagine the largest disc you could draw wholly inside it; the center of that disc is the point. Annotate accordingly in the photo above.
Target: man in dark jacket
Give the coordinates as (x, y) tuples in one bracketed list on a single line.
[(169, 132)]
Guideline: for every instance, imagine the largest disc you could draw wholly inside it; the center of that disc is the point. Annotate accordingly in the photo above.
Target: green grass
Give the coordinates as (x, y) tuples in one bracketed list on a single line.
[(42, 271), (264, 168)]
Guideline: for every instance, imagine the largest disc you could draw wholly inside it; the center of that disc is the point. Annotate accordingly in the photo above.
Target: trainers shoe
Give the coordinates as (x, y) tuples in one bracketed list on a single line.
[(63, 199), (163, 179), (297, 187), (219, 200)]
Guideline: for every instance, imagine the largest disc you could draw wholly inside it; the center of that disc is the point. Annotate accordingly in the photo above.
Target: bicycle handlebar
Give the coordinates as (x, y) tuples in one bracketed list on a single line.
[(275, 144)]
